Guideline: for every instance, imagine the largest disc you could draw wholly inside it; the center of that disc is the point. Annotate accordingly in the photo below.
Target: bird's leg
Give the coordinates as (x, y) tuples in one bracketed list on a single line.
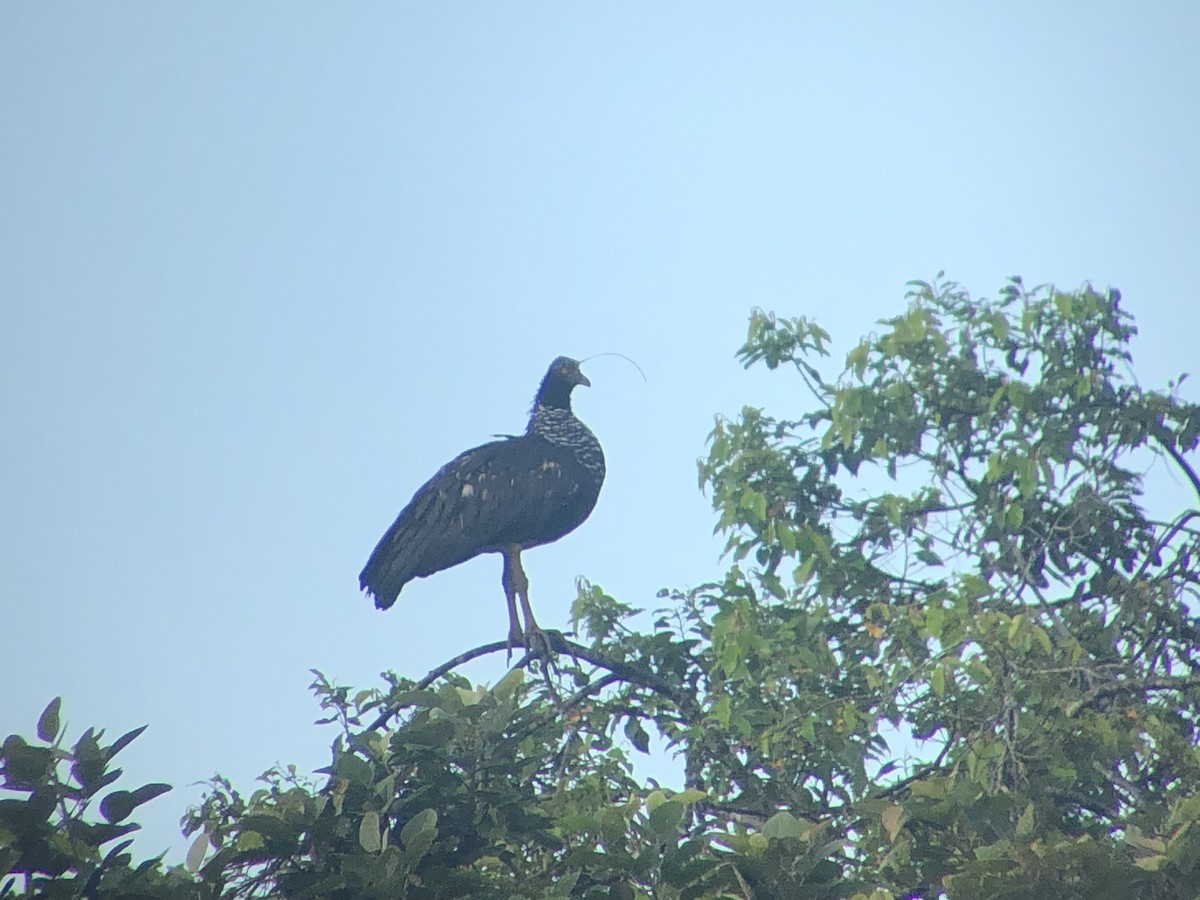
[(535, 640), (509, 580)]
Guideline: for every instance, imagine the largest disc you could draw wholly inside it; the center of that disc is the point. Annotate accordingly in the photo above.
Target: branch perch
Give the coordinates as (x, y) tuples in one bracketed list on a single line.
[(623, 671)]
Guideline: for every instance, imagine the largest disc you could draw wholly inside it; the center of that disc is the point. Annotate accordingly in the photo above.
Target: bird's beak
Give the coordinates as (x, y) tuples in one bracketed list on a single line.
[(583, 379)]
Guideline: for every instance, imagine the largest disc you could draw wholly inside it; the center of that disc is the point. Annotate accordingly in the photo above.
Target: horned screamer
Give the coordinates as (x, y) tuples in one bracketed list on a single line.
[(502, 497)]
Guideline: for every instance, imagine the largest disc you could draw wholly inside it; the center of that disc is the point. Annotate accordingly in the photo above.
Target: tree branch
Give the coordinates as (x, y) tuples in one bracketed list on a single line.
[(621, 670), (575, 699), (1181, 462), (1132, 686)]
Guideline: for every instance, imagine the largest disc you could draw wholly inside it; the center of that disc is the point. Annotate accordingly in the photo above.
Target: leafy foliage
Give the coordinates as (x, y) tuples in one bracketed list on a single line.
[(954, 655), (48, 836), (1003, 597)]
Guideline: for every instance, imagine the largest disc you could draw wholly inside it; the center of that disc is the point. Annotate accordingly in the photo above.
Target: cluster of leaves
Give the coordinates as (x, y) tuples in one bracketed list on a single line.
[(953, 656), (999, 595), (50, 842), (517, 790)]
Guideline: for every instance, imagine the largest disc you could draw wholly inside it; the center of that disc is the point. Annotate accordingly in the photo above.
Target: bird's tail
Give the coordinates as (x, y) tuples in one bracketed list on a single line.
[(415, 546), (394, 562), (383, 598), (380, 582)]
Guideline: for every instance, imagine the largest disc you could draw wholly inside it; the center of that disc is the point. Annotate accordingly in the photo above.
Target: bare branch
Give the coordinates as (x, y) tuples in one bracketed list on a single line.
[(1148, 684), (623, 671)]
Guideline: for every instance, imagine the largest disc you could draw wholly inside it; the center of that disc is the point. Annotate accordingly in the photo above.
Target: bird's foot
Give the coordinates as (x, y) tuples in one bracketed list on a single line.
[(539, 644)]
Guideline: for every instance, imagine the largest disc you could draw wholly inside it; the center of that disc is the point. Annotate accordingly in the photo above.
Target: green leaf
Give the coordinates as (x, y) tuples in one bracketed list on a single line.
[(1134, 835), (995, 466), (470, 696), (666, 819), (148, 792), (928, 557), (419, 833), (26, 766), (89, 762), (803, 572), (1027, 477), (250, 840), (1064, 772), (612, 827), (423, 823), (937, 680), (507, 686), (637, 734), (386, 789), (195, 854), (1043, 638), (1025, 822), (979, 671), (856, 359), (122, 742), (354, 769), (935, 619), (368, 832), (893, 819), (1014, 516), (1183, 848), (782, 825), (47, 726), (9, 856), (787, 537), (117, 806), (999, 324)]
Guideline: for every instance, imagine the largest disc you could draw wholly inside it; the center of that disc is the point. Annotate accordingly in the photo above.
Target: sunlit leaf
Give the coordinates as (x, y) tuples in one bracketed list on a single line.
[(893, 819), (782, 825), (937, 680), (195, 853), (368, 832), (508, 685), (423, 823)]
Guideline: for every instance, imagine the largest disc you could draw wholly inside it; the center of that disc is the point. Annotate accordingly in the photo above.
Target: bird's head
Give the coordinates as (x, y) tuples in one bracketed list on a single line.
[(561, 377)]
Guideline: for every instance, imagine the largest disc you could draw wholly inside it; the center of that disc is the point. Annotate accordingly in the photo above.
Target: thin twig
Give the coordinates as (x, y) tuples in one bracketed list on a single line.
[(1176, 527), (928, 769), (575, 699), (439, 671)]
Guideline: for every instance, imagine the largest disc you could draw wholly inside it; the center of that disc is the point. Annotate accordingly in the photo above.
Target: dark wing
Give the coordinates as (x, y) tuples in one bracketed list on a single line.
[(522, 491)]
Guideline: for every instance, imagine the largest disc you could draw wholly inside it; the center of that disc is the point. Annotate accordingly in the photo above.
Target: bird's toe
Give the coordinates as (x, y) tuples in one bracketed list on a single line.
[(538, 642)]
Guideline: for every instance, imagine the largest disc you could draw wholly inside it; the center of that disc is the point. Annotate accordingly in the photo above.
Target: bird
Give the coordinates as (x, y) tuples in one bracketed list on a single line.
[(503, 497)]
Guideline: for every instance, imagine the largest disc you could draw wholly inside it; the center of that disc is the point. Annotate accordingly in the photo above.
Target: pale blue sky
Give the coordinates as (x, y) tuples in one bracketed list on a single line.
[(264, 267)]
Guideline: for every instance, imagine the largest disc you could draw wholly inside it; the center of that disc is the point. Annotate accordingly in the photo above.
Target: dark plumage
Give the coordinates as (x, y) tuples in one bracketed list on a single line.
[(502, 497)]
